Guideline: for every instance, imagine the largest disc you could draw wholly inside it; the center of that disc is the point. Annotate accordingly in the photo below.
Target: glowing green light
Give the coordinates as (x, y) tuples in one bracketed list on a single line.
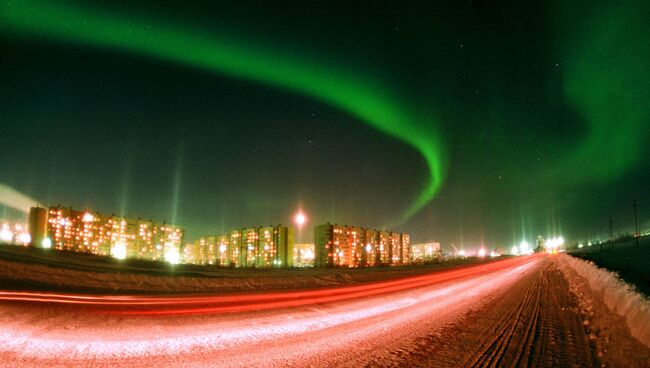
[(606, 72), (349, 90)]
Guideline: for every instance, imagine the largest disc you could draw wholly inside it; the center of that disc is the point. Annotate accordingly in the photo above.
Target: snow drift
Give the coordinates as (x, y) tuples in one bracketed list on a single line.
[(619, 296)]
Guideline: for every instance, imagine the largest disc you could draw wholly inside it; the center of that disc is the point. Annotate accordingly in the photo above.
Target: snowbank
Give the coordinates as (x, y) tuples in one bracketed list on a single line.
[(619, 296)]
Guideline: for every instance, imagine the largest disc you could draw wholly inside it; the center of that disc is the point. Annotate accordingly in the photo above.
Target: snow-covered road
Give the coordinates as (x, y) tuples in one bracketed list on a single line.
[(513, 312)]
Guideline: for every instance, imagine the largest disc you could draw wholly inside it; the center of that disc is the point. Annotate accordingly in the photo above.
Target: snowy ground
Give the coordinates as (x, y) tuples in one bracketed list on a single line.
[(631, 263), (612, 307), (526, 311)]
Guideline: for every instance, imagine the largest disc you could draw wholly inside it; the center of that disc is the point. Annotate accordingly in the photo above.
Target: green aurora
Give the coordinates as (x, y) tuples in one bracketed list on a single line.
[(606, 81), (348, 90), (603, 54)]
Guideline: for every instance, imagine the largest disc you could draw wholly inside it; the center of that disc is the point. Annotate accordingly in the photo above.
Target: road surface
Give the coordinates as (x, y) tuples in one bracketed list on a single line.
[(515, 312)]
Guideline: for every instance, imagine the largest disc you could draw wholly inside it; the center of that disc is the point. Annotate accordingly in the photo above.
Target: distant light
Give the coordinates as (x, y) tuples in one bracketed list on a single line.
[(481, 252), (88, 217), (5, 235), (300, 219), (462, 253), (555, 242), (368, 248), (493, 254), (25, 238), (222, 248), (118, 250), (589, 244), (171, 255), (514, 250), (580, 245), (47, 243)]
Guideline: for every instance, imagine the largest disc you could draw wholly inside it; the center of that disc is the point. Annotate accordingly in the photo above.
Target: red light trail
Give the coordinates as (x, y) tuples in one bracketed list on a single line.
[(251, 302), (43, 329)]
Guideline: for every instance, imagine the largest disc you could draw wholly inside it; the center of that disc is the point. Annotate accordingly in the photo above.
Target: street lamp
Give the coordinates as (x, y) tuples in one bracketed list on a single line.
[(300, 219)]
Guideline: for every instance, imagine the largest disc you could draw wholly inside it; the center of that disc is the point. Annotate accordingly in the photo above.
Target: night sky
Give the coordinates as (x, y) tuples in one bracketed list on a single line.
[(464, 122)]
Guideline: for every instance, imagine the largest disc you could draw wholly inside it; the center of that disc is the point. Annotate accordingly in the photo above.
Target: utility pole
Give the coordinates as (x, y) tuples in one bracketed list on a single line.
[(611, 233), (636, 225), (600, 241)]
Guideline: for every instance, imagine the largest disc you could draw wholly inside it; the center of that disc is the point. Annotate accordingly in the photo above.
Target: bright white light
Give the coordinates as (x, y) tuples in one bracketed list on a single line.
[(5, 235), (222, 248), (368, 248), (555, 242), (25, 238), (481, 252), (88, 217), (118, 250), (300, 219), (47, 243), (514, 250), (171, 255), (580, 245), (493, 254), (462, 253)]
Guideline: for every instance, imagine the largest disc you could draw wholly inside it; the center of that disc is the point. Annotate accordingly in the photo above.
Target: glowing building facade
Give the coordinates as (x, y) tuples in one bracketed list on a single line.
[(262, 247), (425, 251), (14, 233), (370, 255), (350, 246), (249, 249), (303, 255), (91, 232), (384, 249)]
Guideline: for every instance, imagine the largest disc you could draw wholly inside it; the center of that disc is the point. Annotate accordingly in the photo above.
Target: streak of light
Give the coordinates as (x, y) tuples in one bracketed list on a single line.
[(251, 302), (79, 336)]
